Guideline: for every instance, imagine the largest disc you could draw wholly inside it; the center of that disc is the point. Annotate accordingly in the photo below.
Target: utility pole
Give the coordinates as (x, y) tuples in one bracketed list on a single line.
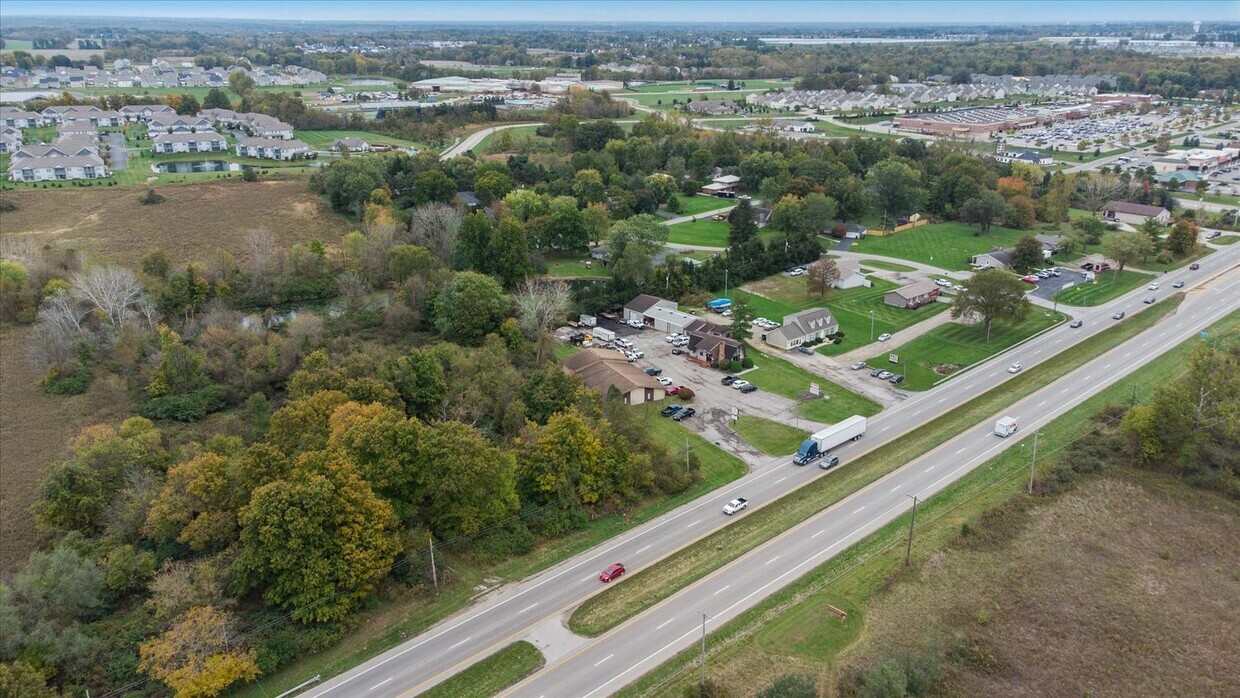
[(1134, 395), (1033, 461), (434, 575), (908, 553), (702, 667)]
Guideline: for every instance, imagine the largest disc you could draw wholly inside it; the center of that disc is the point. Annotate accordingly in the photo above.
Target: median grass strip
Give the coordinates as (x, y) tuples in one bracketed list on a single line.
[(1226, 240), (1106, 286), (769, 437), (791, 381), (647, 587), (491, 675), (950, 348), (793, 628)]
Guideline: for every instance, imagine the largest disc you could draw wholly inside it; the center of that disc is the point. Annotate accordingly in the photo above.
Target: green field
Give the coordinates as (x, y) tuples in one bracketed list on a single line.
[(698, 204), (1104, 287), (958, 346), (18, 44), (519, 136), (791, 381), (1224, 199), (943, 245), (491, 675), (1226, 240), (700, 233), (322, 140), (889, 266), (669, 100), (576, 268), (769, 437)]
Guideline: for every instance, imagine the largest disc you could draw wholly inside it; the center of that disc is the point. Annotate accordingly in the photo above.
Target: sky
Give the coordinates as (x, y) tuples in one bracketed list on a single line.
[(732, 11)]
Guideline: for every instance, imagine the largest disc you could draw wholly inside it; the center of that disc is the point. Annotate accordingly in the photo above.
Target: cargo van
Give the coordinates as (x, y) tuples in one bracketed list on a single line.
[(1005, 427)]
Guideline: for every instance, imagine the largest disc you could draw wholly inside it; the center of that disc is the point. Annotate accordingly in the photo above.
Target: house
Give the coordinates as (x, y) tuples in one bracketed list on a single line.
[(636, 308), (710, 342), (10, 139), (271, 148), (202, 142), (177, 124), (912, 296), (761, 216), (468, 199), (145, 112), (850, 274), (18, 118), (55, 115), (603, 369), (265, 126), (850, 231), (801, 328), (43, 168), (1135, 214), (62, 148), (221, 117), (352, 144), (72, 128), (797, 126), (722, 185), (1026, 156)]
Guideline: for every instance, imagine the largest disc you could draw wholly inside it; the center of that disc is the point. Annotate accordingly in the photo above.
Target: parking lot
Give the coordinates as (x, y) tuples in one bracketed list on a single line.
[(1068, 277)]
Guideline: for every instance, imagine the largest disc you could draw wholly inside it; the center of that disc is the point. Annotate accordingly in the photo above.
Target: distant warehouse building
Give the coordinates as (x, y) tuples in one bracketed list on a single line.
[(968, 122)]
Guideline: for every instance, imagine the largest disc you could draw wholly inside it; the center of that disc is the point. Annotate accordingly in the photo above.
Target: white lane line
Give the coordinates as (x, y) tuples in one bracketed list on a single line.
[(817, 534), (771, 560), (897, 488), (660, 625), (643, 550), (1106, 367), (381, 683), (459, 643), (721, 590), (969, 387), (604, 659), (527, 608), (942, 400), (781, 479), (1041, 403), (858, 511), (588, 578), (1086, 378), (928, 469), (1127, 355), (885, 428), (961, 451), (1061, 392), (694, 523)]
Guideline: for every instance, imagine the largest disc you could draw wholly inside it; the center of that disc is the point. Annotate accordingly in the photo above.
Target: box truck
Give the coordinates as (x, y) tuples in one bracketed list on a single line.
[(817, 445), (604, 334), (1005, 427)]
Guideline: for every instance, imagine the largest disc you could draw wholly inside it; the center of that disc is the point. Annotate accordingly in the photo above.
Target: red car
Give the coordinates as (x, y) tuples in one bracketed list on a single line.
[(1029, 279), (613, 572), (673, 390)]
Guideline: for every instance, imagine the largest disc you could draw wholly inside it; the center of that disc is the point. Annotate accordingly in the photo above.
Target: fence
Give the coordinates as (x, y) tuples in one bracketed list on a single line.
[(879, 232)]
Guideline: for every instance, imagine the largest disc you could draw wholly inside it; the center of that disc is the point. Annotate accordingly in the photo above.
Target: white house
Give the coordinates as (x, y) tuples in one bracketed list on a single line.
[(19, 118), (146, 112), (202, 142), (81, 128), (265, 126), (352, 144), (850, 274), (10, 139), (800, 328), (52, 168), (1134, 214), (223, 117), (177, 124), (271, 148), (55, 115)]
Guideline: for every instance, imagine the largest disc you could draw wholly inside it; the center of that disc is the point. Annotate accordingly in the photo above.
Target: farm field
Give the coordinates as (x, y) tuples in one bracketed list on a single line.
[(322, 140), (108, 223), (958, 346), (944, 245), (1107, 285)]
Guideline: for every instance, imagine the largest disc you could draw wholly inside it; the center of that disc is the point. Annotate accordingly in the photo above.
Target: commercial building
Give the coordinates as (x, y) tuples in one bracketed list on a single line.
[(604, 369), (636, 308), (801, 328), (970, 122), (1134, 214)]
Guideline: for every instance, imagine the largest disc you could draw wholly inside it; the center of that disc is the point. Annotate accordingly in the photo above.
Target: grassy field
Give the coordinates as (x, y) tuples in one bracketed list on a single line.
[(108, 223), (782, 295), (518, 136), (1103, 288), (944, 245), (18, 44), (657, 99), (702, 233), (1006, 590), (491, 675), (889, 266), (1226, 240), (576, 268), (769, 437), (955, 346), (322, 140), (791, 381), (694, 205), (1224, 199)]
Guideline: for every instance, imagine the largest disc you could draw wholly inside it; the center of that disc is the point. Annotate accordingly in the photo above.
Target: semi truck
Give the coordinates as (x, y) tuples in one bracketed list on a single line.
[(819, 444)]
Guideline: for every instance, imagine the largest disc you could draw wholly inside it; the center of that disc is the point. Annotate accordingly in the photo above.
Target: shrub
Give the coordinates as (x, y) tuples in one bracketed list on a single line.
[(188, 407), (71, 381), (510, 541), (150, 198), (686, 394), (734, 366), (746, 362), (249, 174), (7, 206), (557, 522)]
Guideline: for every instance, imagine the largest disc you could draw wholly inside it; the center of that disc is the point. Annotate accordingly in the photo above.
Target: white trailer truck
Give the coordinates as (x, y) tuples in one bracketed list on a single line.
[(819, 444)]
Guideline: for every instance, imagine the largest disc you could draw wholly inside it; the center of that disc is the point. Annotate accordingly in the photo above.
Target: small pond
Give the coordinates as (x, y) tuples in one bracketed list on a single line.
[(189, 166)]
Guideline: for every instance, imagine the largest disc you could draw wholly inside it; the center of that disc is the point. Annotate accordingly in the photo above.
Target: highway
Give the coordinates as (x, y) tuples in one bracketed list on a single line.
[(608, 663), (509, 612)]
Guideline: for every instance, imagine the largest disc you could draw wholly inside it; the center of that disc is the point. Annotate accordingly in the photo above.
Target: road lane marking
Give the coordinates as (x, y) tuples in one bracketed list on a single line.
[(961, 451), (721, 590), (858, 511), (1041, 403), (817, 534), (1106, 367), (772, 560), (942, 400), (694, 523), (460, 643), (381, 683), (604, 659), (660, 625), (528, 607), (643, 550), (897, 488), (969, 387), (928, 469), (781, 479), (885, 428)]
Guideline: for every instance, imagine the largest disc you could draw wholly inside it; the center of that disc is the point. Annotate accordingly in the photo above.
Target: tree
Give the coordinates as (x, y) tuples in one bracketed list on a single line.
[(990, 295), (317, 541), (472, 247), (850, 196), (240, 83), (1057, 200), (1163, 143), (473, 483), (435, 227), (1153, 230), (1125, 248), (895, 186), (1097, 190), (195, 656), (821, 276), (818, 212), (632, 244), (383, 443), (197, 505), (469, 308), (741, 225), (588, 187), (561, 464), (1020, 212), (984, 210), (1028, 254), (525, 204), (510, 252), (540, 305), (216, 99), (742, 321), (20, 679), (492, 186), (303, 425), (1090, 228), (1183, 238), (419, 378), (787, 215), (432, 186)]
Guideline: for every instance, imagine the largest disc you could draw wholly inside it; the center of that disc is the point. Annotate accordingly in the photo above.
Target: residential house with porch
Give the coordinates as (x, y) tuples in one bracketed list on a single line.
[(201, 142), (801, 328), (271, 148), (912, 296)]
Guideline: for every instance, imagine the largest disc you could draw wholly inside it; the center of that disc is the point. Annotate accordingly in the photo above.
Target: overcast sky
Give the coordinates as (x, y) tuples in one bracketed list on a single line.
[(733, 11)]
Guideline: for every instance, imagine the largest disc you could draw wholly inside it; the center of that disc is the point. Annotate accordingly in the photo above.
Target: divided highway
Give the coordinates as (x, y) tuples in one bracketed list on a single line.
[(506, 614)]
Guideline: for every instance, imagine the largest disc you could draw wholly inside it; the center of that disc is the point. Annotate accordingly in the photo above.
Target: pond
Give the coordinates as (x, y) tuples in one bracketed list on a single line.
[(190, 166)]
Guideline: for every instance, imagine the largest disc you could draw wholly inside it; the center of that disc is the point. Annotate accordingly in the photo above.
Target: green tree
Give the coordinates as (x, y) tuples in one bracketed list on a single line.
[(240, 83), (469, 308), (632, 244), (198, 504), (216, 99), (473, 483), (383, 443), (1124, 248), (895, 186), (990, 295), (432, 186), (742, 321), (155, 264), (472, 247), (1153, 230), (1058, 198), (510, 252), (818, 212), (787, 215), (318, 541), (196, 658), (984, 210), (741, 225), (303, 425), (851, 197), (493, 186), (419, 378), (20, 679), (1090, 228), (588, 186), (564, 228), (525, 204), (1183, 238), (1028, 254), (315, 374), (561, 464)]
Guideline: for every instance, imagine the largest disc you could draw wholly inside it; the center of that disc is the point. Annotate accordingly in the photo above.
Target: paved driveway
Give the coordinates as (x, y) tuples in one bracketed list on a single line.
[(119, 153)]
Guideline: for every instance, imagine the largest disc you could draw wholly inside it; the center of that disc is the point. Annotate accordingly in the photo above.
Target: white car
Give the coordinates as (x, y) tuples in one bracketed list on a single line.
[(796, 272), (1015, 368), (760, 321), (624, 344), (735, 505), (942, 282), (664, 380), (884, 337), (638, 353), (1153, 286), (635, 324), (737, 385), (670, 339)]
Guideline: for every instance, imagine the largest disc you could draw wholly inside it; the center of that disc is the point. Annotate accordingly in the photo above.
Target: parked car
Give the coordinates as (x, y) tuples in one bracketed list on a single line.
[(1076, 323), (1102, 267), (684, 414), (653, 370), (942, 282), (1015, 368), (805, 350), (1117, 315), (611, 573), (897, 378), (728, 379), (859, 365), (671, 410), (875, 373), (677, 351), (738, 384), (639, 353), (1029, 279), (674, 390), (1088, 266), (884, 336), (1148, 299), (749, 388), (885, 375), (635, 324), (1177, 284), (1194, 266), (664, 380)]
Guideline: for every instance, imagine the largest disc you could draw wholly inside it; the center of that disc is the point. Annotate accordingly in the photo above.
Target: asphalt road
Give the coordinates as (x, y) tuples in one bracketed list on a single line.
[(509, 612), (625, 653)]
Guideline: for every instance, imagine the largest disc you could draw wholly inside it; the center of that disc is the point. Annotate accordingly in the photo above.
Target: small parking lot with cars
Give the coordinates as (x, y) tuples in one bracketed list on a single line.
[(1047, 287)]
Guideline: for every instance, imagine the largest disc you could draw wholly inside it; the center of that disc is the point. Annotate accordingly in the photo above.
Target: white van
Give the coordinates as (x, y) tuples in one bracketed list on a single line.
[(1005, 427)]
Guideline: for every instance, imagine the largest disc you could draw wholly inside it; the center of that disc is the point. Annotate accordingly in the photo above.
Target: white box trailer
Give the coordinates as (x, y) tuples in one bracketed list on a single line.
[(588, 320), (819, 444), (1005, 427), (603, 334)]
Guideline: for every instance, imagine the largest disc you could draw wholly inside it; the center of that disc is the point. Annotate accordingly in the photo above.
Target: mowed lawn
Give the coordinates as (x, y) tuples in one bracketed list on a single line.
[(959, 346), (322, 140), (1226, 240), (699, 203), (701, 233), (944, 245), (769, 437), (576, 268), (783, 378), (1107, 285)]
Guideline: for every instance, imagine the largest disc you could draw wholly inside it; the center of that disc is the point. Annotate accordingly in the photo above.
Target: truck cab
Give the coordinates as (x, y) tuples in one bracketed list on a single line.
[(807, 453)]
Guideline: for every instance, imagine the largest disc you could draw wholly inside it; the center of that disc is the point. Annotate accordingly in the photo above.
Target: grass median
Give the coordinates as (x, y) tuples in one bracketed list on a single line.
[(793, 627), (647, 587), (493, 674)]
